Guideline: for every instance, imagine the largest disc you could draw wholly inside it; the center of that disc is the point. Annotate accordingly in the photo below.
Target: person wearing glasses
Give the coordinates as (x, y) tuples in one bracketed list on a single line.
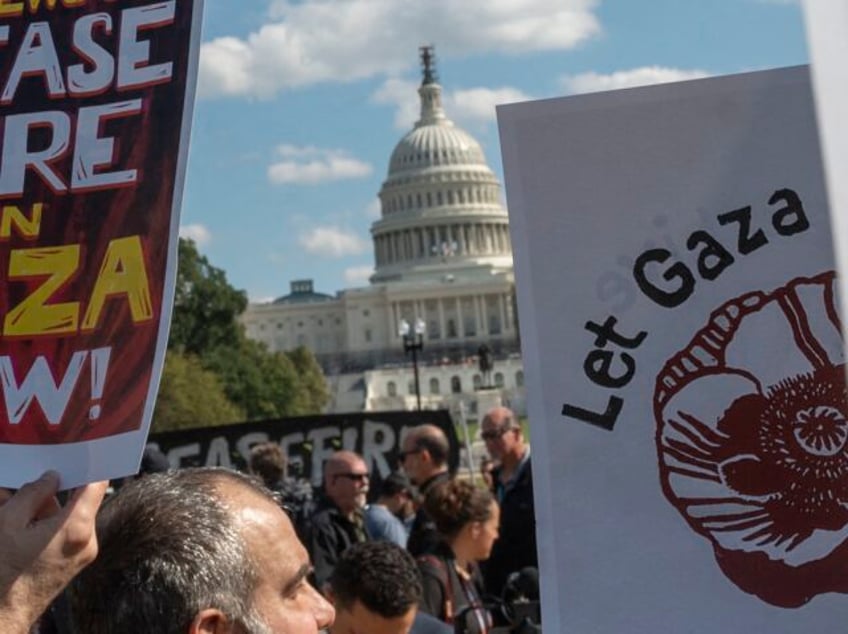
[(467, 518), (338, 521), (512, 483), (424, 458)]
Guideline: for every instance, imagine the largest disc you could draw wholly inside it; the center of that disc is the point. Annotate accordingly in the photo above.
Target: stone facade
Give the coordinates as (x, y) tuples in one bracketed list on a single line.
[(443, 255)]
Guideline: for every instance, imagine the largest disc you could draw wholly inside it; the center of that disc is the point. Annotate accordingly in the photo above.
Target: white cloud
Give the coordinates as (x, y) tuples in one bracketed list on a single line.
[(311, 166), (358, 275), (332, 242), (373, 210), (342, 40), (468, 106), (403, 95), (643, 76), (200, 234), (478, 104)]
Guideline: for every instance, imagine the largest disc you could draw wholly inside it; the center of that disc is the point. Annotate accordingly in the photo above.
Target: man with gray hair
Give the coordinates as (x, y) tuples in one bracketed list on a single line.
[(513, 487), (338, 521), (197, 551)]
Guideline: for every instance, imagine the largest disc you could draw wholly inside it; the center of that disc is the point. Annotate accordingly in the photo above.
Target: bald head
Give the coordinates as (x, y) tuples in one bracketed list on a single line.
[(502, 433), (500, 417), (425, 451), (346, 481)]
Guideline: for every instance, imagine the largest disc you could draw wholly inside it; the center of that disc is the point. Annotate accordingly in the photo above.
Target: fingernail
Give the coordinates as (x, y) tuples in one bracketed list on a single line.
[(50, 475)]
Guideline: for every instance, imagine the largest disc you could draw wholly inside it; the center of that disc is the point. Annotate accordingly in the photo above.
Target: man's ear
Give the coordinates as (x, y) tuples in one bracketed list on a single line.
[(211, 621)]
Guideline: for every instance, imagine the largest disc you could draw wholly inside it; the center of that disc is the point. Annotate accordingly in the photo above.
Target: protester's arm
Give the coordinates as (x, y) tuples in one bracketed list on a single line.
[(42, 546)]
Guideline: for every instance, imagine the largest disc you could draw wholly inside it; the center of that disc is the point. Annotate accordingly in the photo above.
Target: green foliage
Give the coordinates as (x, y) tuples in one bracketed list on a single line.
[(190, 396), (265, 385), (205, 328), (313, 393), (205, 305)]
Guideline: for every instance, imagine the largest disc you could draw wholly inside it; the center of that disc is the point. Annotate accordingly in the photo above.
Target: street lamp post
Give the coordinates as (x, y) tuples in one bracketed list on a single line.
[(413, 341)]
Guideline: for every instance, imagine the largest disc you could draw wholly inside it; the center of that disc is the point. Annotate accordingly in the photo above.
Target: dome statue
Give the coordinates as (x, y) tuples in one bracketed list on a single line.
[(441, 210)]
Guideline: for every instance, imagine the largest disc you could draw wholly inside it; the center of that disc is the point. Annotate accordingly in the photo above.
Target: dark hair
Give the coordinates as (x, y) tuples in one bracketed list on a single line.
[(393, 484), (436, 444), (169, 548), (454, 503), (268, 462), (380, 575)]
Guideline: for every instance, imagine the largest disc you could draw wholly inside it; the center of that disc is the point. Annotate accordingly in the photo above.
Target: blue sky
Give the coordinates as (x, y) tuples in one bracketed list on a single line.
[(300, 103)]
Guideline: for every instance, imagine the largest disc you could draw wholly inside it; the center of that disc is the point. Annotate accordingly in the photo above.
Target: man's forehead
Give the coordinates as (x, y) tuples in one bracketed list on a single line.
[(346, 463), (494, 420)]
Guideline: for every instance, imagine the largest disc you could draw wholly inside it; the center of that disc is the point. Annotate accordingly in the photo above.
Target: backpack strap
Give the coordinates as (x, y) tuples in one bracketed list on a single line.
[(438, 564)]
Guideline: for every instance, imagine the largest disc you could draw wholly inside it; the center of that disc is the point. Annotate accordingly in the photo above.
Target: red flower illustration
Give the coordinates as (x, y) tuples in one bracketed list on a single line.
[(752, 436)]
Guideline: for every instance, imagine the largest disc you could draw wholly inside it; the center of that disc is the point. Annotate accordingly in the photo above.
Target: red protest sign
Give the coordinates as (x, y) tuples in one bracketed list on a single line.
[(94, 130)]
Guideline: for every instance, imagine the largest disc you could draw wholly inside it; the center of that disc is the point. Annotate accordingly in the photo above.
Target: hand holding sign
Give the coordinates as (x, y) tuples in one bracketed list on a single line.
[(42, 546)]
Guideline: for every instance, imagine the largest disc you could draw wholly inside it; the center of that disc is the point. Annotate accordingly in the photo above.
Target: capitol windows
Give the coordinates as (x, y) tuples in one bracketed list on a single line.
[(451, 329), (499, 379), (433, 330), (418, 200), (391, 389), (470, 325), (494, 325), (410, 388), (434, 386), (519, 379), (477, 381), (429, 199), (450, 197), (439, 199), (456, 385), (366, 335)]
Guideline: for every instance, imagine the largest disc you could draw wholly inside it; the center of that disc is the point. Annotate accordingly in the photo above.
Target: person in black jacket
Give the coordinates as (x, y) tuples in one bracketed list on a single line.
[(513, 488), (338, 522), (466, 518), (424, 458)]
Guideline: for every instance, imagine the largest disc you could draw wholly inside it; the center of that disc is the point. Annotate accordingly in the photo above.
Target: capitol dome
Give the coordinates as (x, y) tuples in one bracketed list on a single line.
[(441, 209)]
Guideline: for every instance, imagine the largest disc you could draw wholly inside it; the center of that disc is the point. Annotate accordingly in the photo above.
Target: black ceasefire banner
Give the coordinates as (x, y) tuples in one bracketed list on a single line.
[(307, 441)]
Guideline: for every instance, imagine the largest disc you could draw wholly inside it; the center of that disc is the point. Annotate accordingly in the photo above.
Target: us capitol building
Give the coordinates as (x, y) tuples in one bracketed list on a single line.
[(443, 265)]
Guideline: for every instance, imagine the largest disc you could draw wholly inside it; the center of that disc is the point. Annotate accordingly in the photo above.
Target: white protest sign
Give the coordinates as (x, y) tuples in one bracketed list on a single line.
[(827, 39), (683, 358)]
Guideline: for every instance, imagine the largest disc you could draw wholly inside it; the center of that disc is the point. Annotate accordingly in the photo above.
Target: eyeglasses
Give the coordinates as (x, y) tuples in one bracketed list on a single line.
[(356, 477), (402, 456), (494, 434)]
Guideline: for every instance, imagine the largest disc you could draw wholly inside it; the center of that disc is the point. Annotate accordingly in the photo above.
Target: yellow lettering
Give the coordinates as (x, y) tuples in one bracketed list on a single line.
[(26, 227), (51, 4), (121, 273), (33, 316), (11, 9)]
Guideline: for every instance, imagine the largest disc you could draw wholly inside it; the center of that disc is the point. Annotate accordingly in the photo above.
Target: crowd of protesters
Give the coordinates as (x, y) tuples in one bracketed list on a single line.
[(214, 551)]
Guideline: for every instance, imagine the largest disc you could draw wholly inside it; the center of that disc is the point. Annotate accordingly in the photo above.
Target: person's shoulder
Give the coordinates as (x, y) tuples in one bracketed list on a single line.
[(427, 624)]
